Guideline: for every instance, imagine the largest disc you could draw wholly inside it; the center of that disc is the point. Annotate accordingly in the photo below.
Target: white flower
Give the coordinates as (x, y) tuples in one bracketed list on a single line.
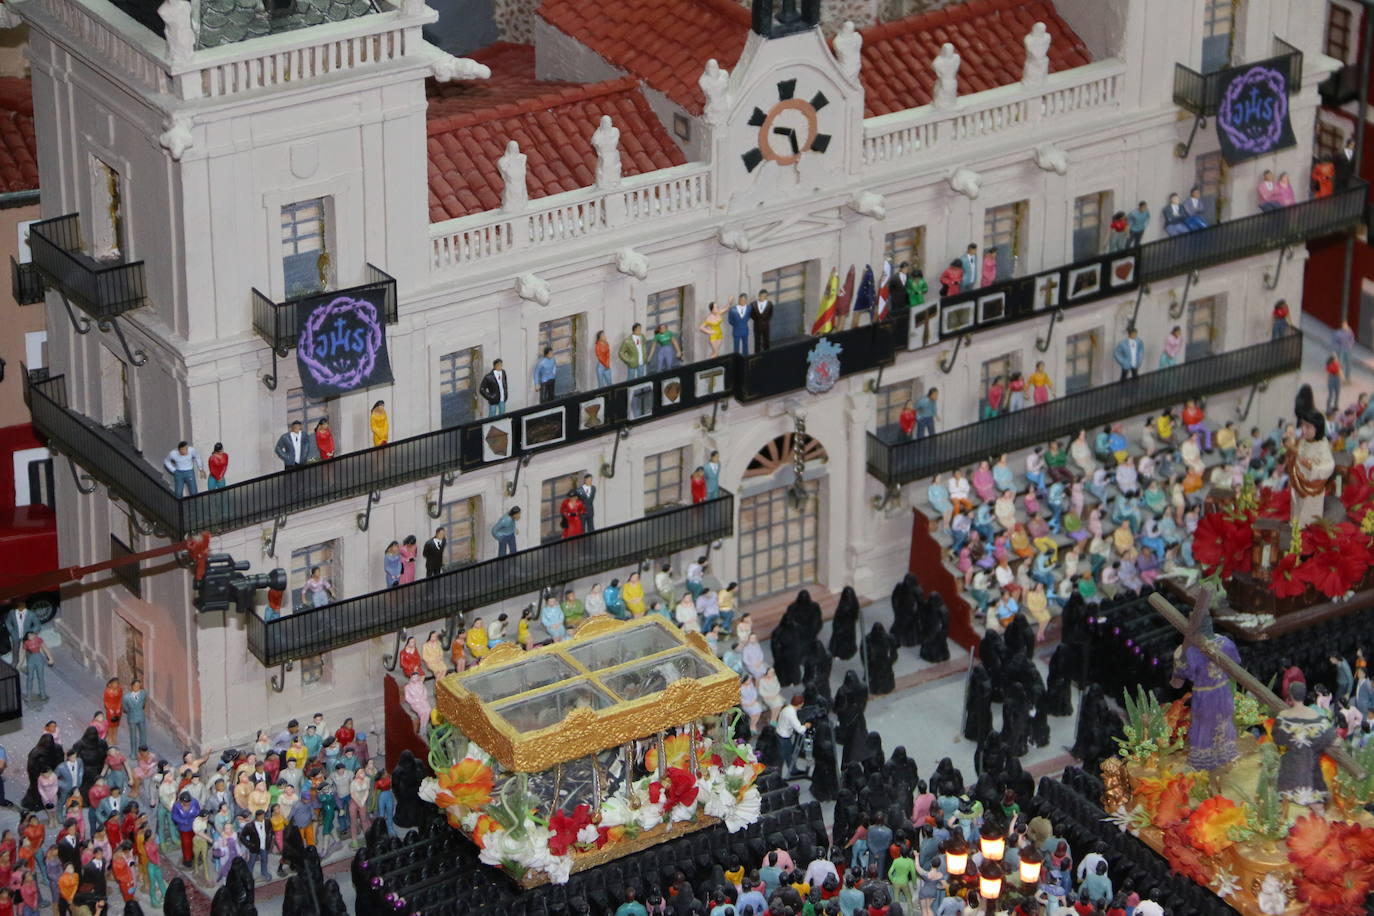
[(1225, 883), (1120, 818), (559, 868), (429, 789), (745, 811), (467, 819), (683, 812), (649, 816), (615, 812), (498, 847), (587, 835)]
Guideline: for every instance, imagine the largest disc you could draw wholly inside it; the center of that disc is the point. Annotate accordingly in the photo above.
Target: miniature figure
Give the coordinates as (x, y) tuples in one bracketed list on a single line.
[(946, 67), (711, 327), (952, 279), (504, 532), (848, 44), (761, 314), (324, 439), (494, 389), (666, 350), (218, 464), (546, 375), (182, 463), (606, 142), (571, 511), (970, 265), (602, 349), (1310, 463), (1037, 66), (1137, 221), (433, 552), (379, 423), (634, 352), (515, 194), (739, 325), (1129, 354)]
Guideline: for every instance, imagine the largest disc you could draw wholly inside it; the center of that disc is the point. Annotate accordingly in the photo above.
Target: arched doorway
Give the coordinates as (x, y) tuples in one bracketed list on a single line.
[(778, 532)]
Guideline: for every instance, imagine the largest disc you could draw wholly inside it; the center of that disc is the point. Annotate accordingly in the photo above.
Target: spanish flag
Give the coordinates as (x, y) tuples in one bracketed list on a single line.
[(828, 300)]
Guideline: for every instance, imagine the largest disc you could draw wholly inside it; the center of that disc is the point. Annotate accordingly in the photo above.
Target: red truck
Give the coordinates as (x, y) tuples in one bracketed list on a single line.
[(28, 524)]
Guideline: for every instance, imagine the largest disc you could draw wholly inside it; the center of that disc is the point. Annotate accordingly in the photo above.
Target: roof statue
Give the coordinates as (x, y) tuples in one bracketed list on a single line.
[(714, 83), (515, 195), (606, 140), (1037, 42), (848, 44), (181, 34), (946, 67)]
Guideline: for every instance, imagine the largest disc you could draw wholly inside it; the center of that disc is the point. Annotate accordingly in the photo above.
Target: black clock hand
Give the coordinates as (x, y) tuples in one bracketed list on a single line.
[(791, 135)]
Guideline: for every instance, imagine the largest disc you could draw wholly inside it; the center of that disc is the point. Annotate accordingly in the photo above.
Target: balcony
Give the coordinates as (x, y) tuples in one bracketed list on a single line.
[(1252, 235), (110, 458), (1341, 87), (895, 460), (26, 283), (100, 289), (278, 323), (1200, 93), (352, 620), (783, 369)]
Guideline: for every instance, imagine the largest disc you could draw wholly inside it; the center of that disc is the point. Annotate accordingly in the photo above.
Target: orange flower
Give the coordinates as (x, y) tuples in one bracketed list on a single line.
[(1173, 803), (1210, 825), (469, 784), (1150, 790), (485, 825), (675, 748)]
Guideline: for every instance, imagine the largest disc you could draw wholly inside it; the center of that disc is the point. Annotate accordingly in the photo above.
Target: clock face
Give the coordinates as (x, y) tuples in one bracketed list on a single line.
[(787, 129)]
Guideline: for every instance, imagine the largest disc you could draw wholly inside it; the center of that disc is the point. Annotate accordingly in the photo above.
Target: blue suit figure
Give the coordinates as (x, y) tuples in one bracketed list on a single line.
[(739, 325), (1129, 354)]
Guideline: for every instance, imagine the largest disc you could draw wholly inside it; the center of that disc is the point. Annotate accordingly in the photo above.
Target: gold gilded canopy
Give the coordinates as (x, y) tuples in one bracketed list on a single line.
[(612, 682)]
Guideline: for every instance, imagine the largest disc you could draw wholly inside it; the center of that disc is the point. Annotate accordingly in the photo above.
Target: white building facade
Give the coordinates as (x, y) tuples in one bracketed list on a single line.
[(204, 165)]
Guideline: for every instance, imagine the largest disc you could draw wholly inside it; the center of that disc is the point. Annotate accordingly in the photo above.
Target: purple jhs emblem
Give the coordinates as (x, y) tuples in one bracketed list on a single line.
[(340, 341), (1254, 109)]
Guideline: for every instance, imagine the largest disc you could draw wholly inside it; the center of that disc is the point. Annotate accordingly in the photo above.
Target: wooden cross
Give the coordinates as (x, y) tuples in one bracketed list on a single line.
[(1192, 629), (1048, 287)]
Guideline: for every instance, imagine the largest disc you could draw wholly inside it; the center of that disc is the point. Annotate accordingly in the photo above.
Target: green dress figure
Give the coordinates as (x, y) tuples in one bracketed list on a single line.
[(916, 289)]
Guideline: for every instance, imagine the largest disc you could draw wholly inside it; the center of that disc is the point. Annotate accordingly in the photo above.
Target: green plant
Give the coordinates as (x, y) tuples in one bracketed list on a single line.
[(447, 746), (1362, 790), (1147, 729), (1248, 712), (1267, 816)]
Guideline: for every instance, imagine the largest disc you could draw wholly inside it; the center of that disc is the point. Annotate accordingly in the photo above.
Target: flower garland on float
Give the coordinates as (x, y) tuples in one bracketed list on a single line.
[(515, 834)]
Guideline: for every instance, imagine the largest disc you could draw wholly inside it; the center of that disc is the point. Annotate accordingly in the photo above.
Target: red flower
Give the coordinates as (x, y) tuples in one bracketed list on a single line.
[(1288, 581), (1335, 872), (563, 828), (1275, 504), (680, 790), (1356, 491), (1210, 541), (1183, 858)]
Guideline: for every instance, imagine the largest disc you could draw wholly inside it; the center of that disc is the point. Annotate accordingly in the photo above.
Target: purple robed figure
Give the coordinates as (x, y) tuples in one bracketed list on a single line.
[(1212, 732)]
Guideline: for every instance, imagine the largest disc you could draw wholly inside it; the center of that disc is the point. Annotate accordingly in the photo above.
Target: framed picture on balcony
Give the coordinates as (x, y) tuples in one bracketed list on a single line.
[(496, 441), (670, 392), (547, 427), (641, 400), (1122, 272), (957, 318), (1084, 282), (1046, 291), (707, 382), (591, 413), (992, 307)]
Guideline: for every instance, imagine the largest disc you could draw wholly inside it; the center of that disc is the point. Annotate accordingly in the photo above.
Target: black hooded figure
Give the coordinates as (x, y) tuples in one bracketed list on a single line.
[(992, 652), (1016, 720), (901, 776), (882, 654), (405, 788), (175, 901), (1097, 724), (947, 780), (1020, 637), (806, 614), (978, 704), (904, 624), (767, 745), (816, 668), (787, 643), (1058, 699), (873, 759), (45, 755), (91, 750), (844, 628), (991, 755), (825, 777), (850, 702), (935, 641), (1021, 670), (1018, 780), (1040, 725)]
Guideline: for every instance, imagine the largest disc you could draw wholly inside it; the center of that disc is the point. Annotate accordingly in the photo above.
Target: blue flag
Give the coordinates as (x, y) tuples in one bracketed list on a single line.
[(867, 296)]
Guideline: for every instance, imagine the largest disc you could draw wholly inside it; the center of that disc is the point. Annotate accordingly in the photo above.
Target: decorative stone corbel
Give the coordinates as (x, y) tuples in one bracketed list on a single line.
[(967, 182), (1052, 159), (734, 238), (176, 139), (532, 289), (447, 67), (632, 263), (868, 203)]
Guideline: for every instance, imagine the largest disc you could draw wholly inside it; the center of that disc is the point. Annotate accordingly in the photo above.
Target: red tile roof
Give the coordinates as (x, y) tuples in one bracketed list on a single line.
[(470, 122), (664, 44), (18, 149), (896, 72)]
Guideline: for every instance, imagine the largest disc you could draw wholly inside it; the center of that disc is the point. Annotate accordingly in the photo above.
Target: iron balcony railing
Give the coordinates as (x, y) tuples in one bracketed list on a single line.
[(112, 460), (1200, 93), (1252, 235), (316, 630), (1341, 86), (26, 283), (279, 322), (102, 290), (896, 460)]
